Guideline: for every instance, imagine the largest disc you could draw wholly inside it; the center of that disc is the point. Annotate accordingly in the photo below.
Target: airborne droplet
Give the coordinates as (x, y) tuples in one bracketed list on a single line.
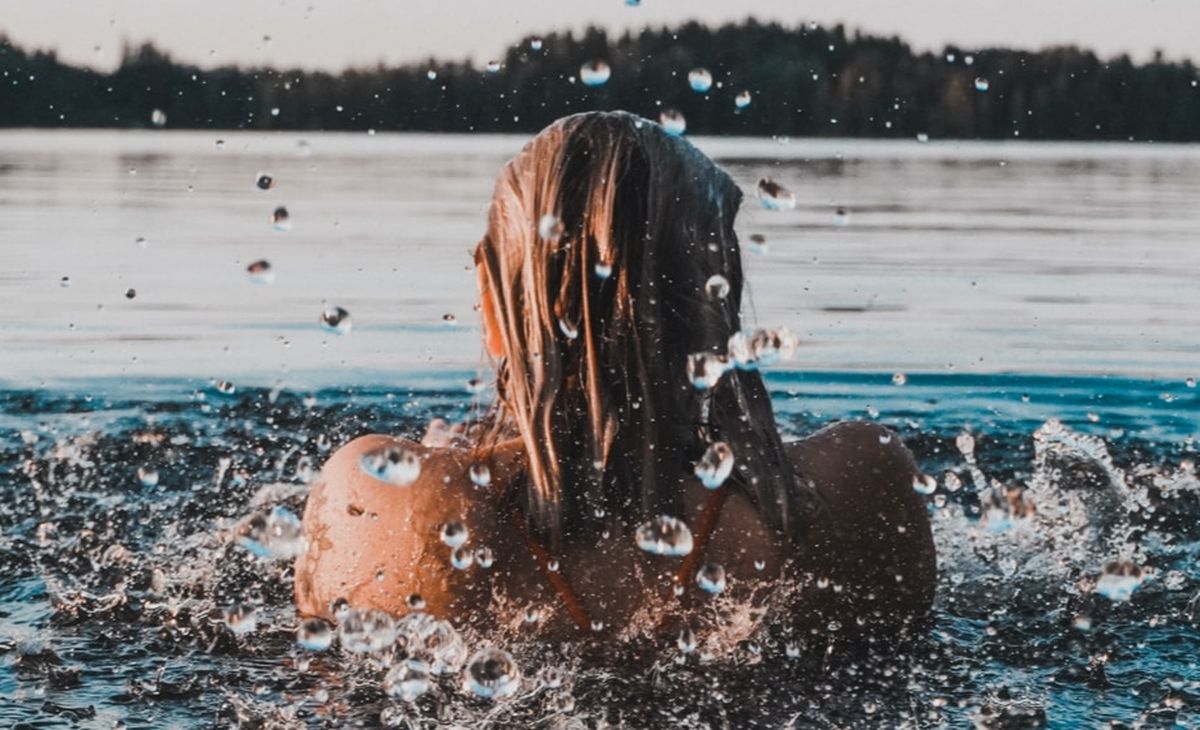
[(774, 196), (673, 122), (454, 534), (264, 181), (742, 100), (158, 118), (711, 578), (595, 73), (260, 272), (281, 220), (394, 465), (336, 320), (715, 466), (700, 80), (492, 673), (665, 536), (717, 287), (314, 634)]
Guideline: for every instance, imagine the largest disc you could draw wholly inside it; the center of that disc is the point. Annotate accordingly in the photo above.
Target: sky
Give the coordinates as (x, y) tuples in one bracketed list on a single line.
[(335, 34)]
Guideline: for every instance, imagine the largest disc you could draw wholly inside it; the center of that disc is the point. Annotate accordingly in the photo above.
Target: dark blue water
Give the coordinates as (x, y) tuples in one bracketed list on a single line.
[(110, 590)]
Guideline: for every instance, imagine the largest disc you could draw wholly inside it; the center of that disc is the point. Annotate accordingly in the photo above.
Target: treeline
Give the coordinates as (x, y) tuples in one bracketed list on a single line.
[(803, 81)]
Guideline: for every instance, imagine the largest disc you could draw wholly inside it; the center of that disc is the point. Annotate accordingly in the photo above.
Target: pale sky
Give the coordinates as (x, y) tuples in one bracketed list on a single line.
[(333, 34)]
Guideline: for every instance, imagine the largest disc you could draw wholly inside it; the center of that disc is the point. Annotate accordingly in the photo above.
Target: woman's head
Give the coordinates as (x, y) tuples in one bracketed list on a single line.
[(597, 279)]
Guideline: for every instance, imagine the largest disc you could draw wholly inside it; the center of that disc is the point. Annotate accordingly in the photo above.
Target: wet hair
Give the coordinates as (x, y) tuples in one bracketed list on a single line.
[(594, 375)]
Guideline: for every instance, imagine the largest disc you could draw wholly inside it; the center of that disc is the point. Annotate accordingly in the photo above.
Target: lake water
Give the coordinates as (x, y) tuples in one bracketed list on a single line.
[(1042, 297)]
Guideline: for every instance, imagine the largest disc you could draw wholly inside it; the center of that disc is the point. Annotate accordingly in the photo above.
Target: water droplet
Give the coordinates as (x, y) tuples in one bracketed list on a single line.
[(241, 618), (1119, 580), (454, 534), (922, 137), (552, 565), (673, 122), (792, 650), (158, 118), (924, 484), (492, 67), (363, 631), (686, 641), (969, 60), (603, 270), (336, 320), (274, 535), (715, 466), (281, 220), (981, 84), (899, 379), (711, 578), (1190, 382), (951, 482), (130, 293), (770, 346), (549, 227), (476, 385), (431, 74), (597, 625), (407, 680), (742, 100), (481, 476), (492, 673), (760, 564), (665, 536), (484, 557), (220, 144), (535, 44), (717, 287), (260, 272), (950, 58), (595, 73), (758, 244), (569, 330), (704, 369), (65, 282), (700, 80), (264, 181), (774, 196), (532, 615), (449, 319), (148, 476), (224, 387), (314, 634), (393, 465), (416, 602)]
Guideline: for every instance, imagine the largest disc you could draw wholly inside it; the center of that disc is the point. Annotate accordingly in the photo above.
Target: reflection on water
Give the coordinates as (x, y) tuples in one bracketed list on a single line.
[(979, 257)]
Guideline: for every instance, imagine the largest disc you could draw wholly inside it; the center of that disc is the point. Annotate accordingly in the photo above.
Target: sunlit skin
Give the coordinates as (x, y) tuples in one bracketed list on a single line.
[(376, 544)]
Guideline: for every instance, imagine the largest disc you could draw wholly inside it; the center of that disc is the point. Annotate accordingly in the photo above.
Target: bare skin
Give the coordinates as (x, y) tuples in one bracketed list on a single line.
[(375, 544)]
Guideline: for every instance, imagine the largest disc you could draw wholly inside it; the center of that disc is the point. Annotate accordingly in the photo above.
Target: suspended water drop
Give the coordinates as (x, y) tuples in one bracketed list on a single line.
[(792, 650), (665, 536), (770, 346), (1190, 382), (774, 196), (1119, 580), (550, 227), (393, 465), (594, 73), (569, 330), (224, 387), (922, 137), (760, 564), (264, 181), (742, 100), (314, 634), (148, 476), (336, 320), (130, 293), (673, 122), (220, 144), (454, 534), (603, 270), (484, 557), (535, 44), (274, 535), (364, 631), (260, 272), (700, 80), (951, 482), (476, 385), (416, 602), (715, 466), (449, 319), (492, 673), (899, 379), (717, 287), (924, 484), (462, 557), (711, 578), (981, 84), (841, 218), (704, 369), (492, 67), (758, 243), (158, 118), (950, 58), (431, 74), (1003, 508), (480, 475), (241, 618), (281, 220), (532, 615), (407, 680), (65, 282), (687, 640), (969, 60)]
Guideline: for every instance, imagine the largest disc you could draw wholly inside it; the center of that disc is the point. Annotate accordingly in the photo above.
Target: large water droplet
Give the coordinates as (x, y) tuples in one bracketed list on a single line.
[(281, 220), (717, 287), (704, 369), (462, 557), (924, 484), (981, 84), (549, 227), (492, 673), (665, 536), (769, 346), (454, 534), (336, 320), (407, 680), (394, 465), (715, 466), (314, 634), (774, 196), (148, 476), (260, 272), (1119, 580), (363, 631), (158, 118), (700, 80), (264, 180), (742, 100), (241, 618), (711, 578), (595, 73), (277, 535), (481, 475), (673, 122)]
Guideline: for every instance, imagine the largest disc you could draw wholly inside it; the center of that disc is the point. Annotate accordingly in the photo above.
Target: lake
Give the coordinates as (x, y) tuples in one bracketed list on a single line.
[(1041, 298)]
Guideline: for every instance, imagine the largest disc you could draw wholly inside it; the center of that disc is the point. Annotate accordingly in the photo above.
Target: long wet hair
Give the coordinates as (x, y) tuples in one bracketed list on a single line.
[(602, 235)]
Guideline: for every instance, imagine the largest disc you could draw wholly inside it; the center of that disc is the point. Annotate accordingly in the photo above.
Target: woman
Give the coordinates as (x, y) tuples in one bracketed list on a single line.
[(610, 286)]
